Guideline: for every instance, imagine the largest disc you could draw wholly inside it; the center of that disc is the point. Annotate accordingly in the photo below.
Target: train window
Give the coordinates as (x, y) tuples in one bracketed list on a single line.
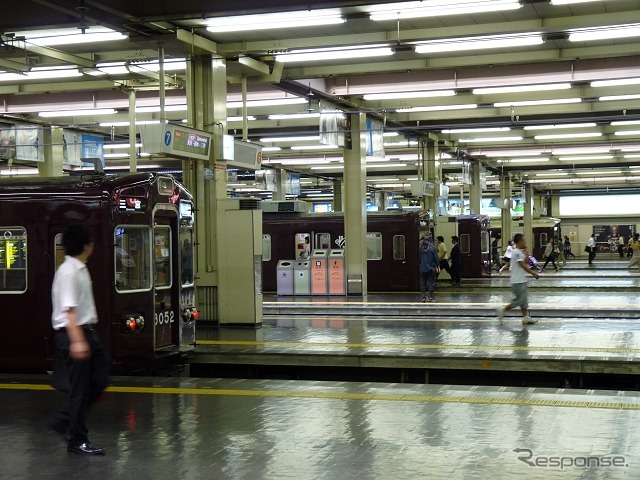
[(132, 254), (374, 246), (303, 246), (186, 253), (59, 250), (398, 247), (13, 260), (465, 243), (266, 248), (323, 241), (162, 256), (485, 242), (543, 239)]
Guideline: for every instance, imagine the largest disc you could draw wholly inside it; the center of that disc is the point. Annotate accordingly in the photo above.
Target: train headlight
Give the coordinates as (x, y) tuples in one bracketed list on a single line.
[(195, 314), (140, 322), (190, 314)]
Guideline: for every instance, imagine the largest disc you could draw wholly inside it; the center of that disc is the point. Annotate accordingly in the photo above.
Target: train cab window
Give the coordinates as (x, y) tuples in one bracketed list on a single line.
[(266, 248), (398, 247), (485, 242), (374, 246), (303, 246), (132, 254), (465, 243), (323, 241), (162, 256), (13, 260)]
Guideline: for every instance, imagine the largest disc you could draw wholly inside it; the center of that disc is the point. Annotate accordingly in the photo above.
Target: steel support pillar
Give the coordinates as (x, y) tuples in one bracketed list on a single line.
[(528, 217), (505, 205), (53, 153), (475, 189)]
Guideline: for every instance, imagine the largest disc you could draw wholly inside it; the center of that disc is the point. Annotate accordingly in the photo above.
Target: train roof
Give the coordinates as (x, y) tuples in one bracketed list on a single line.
[(73, 182)]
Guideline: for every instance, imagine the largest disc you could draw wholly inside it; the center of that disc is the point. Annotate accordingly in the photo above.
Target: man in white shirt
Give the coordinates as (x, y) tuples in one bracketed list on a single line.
[(81, 363), (519, 268), (591, 246)]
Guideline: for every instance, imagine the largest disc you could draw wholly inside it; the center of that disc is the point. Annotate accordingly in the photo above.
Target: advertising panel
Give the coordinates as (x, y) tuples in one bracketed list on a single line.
[(607, 237)]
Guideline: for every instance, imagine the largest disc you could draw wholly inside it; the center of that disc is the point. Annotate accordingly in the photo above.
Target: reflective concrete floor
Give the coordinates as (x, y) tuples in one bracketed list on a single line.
[(225, 429)]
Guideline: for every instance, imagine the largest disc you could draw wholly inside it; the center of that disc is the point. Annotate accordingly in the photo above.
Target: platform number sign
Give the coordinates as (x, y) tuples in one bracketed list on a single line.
[(167, 138)]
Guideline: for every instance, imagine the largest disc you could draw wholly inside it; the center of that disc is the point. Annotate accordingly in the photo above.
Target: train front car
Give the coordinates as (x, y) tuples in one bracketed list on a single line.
[(142, 267), (154, 313)]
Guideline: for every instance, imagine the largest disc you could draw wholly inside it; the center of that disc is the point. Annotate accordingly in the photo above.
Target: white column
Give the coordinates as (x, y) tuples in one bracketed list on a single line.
[(355, 215)]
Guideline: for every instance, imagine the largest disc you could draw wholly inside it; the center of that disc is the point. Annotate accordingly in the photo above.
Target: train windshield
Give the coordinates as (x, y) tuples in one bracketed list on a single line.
[(132, 258)]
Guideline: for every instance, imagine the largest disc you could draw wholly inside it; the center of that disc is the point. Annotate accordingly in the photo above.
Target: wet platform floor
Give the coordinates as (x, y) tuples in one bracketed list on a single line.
[(172, 428)]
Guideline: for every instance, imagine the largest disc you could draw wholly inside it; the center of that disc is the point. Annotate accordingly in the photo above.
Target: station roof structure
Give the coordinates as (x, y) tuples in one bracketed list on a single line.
[(547, 91)]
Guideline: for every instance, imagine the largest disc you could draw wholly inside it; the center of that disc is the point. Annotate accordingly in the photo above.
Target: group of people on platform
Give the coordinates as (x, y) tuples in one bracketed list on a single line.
[(435, 257), (556, 249)]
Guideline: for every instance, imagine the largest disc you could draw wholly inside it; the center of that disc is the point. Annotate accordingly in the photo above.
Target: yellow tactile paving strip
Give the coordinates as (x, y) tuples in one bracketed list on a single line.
[(332, 395)]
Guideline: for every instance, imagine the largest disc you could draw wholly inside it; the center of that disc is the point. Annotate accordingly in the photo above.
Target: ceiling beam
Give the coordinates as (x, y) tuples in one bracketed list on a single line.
[(14, 66), (198, 44), (57, 54)]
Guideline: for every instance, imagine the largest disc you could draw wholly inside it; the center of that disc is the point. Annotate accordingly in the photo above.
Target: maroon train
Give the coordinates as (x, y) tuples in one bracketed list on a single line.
[(142, 266), (392, 246)]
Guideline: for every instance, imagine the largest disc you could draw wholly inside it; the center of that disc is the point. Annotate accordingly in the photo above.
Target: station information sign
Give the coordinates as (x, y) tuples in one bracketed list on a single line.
[(13, 250), (176, 141)]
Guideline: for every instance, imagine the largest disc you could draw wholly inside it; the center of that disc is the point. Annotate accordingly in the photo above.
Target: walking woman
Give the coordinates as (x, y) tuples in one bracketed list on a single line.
[(567, 248), (429, 268), (549, 255)]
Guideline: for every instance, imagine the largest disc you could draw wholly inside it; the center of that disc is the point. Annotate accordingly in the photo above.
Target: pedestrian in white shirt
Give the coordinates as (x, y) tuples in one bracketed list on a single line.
[(591, 248), (519, 268)]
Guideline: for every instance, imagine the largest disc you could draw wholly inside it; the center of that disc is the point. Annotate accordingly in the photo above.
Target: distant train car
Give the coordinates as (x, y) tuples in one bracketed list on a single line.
[(392, 245), (473, 233), (141, 268)]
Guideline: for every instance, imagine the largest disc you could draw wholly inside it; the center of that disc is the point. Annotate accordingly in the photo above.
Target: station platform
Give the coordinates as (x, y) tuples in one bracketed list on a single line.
[(586, 337), (196, 429)]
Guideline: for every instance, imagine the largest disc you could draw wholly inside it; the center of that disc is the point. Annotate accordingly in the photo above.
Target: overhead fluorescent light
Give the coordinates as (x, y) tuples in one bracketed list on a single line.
[(609, 98), (70, 36), (625, 122), (383, 179), (559, 136), (437, 108), (337, 53), (307, 138), (400, 95), (555, 127), (508, 153), (627, 133), (455, 131), (529, 160), (271, 149), (250, 118), (543, 87), (126, 124), (551, 174), (269, 102), (315, 147), (533, 103), (272, 21), (571, 2), (605, 33), (580, 150), (119, 146), (387, 165), (618, 82), (627, 148), (583, 158), (478, 43), (436, 8), (116, 155), (601, 172), (293, 116), (337, 166), (391, 134), (409, 143), (40, 73), (633, 155), (77, 113), (167, 108), (490, 139)]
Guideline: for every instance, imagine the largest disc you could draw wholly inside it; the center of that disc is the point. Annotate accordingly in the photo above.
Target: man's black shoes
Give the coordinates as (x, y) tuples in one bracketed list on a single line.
[(85, 449)]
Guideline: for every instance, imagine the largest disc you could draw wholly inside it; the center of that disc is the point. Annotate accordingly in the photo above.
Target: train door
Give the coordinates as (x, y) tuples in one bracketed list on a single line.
[(166, 285), (400, 278)]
